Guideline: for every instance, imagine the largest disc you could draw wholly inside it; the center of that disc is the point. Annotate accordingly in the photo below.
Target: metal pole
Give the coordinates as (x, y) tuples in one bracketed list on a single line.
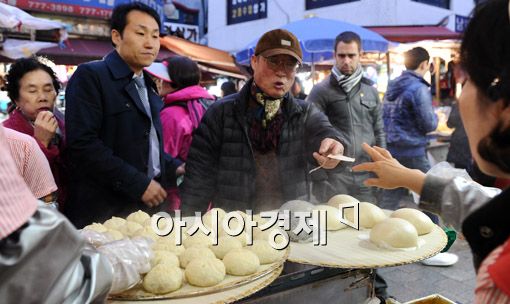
[(437, 72), (313, 71), (388, 65)]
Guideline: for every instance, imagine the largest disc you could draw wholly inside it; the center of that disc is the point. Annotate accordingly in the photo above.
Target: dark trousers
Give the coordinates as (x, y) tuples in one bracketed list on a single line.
[(380, 286), (391, 198)]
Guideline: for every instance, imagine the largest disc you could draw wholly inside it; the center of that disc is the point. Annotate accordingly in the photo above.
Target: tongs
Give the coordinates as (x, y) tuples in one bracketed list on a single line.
[(333, 156)]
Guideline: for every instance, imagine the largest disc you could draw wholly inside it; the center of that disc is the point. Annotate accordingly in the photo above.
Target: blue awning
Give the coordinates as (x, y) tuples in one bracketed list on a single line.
[(317, 38)]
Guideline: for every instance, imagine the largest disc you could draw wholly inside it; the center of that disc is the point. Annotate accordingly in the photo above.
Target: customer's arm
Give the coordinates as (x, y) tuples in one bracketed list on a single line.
[(452, 198)]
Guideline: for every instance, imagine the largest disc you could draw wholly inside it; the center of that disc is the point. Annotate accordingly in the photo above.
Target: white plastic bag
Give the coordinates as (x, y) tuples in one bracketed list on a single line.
[(95, 238), (444, 170), (129, 259)]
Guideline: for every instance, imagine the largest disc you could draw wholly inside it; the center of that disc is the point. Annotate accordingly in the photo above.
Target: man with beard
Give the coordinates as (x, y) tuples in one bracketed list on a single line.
[(353, 108)]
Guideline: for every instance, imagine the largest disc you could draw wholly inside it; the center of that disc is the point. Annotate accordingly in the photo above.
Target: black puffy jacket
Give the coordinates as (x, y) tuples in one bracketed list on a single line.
[(221, 169)]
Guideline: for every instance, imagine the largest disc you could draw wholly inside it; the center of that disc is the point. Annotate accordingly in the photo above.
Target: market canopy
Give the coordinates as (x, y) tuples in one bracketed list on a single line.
[(208, 59), (317, 38), (82, 50), (406, 34)]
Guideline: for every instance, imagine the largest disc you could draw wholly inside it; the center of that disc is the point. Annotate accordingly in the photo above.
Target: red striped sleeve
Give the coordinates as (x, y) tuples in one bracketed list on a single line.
[(31, 163), (17, 203), (487, 291)]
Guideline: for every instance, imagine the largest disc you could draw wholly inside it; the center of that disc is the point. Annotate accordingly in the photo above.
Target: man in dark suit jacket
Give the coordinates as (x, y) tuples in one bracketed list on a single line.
[(116, 158)]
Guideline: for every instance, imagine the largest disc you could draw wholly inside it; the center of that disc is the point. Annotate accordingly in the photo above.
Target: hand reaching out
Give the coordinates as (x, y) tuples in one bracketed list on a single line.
[(390, 173)]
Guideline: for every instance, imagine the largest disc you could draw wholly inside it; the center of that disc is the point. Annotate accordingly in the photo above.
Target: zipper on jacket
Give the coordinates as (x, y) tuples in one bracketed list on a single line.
[(195, 113), (245, 131), (349, 105), (287, 125)]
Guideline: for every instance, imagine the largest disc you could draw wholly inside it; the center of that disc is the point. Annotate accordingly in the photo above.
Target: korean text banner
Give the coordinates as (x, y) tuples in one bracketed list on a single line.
[(245, 10)]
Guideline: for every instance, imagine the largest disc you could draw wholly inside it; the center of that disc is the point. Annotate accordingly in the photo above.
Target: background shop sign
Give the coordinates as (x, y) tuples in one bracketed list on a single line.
[(101, 9), (188, 32), (311, 4), (461, 23), (245, 10)]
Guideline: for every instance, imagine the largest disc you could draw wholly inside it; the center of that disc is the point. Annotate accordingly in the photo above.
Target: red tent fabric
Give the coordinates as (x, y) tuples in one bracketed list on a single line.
[(414, 33), (83, 50), (209, 59)]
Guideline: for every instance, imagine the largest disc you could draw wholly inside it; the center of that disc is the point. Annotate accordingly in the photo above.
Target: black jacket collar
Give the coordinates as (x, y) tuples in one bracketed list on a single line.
[(120, 69), (117, 66), (487, 227)]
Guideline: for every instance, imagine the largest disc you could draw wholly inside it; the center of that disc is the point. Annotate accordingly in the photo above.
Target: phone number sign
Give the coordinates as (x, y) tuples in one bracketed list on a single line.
[(101, 9)]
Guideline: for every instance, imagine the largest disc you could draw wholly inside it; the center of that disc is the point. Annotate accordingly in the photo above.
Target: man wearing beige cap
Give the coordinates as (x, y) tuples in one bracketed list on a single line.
[(253, 149)]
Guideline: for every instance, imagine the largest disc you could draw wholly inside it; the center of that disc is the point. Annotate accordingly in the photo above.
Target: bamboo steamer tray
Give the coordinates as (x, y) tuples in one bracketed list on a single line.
[(345, 249), (225, 296), (230, 282)]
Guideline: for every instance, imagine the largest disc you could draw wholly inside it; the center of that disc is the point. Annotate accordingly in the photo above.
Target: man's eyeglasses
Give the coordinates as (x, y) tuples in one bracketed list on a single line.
[(289, 65)]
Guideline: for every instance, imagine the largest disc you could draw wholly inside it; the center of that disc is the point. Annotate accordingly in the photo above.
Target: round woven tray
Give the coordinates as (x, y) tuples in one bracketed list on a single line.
[(226, 296), (137, 293), (345, 249)]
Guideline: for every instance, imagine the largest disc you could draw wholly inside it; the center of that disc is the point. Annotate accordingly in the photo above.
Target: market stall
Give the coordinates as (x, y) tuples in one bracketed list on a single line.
[(13, 18), (340, 270), (316, 37), (210, 60)]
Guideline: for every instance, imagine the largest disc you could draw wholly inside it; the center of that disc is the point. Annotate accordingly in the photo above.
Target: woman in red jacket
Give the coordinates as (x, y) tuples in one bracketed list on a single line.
[(32, 87)]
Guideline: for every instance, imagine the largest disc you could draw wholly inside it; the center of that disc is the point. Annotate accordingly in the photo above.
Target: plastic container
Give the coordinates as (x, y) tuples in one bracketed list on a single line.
[(432, 299)]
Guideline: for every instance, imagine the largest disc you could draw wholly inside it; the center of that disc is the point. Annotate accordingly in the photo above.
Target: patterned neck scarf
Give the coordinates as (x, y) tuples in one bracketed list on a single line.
[(271, 105), (264, 133), (347, 82)]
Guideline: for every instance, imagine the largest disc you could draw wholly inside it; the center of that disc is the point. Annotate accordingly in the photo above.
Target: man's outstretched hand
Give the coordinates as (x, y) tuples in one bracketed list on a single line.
[(328, 146)]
